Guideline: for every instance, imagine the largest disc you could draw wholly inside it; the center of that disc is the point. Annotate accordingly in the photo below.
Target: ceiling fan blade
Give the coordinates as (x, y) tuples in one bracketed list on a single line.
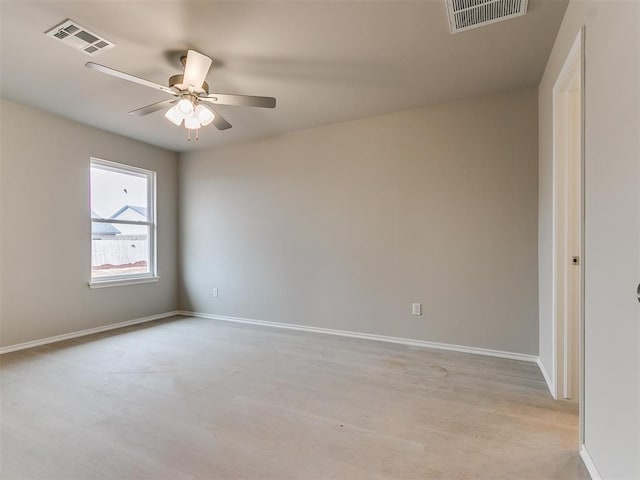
[(219, 122), (154, 107), (196, 69), (128, 77), (240, 100)]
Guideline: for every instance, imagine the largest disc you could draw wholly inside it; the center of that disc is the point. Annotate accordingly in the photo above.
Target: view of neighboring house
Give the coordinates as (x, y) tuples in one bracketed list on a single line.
[(101, 230), (134, 213), (130, 212)]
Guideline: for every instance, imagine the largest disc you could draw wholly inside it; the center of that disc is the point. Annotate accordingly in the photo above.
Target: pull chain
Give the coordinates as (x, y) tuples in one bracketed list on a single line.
[(197, 134)]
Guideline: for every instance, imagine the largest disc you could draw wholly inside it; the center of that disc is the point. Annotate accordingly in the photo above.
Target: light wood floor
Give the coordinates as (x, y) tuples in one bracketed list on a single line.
[(200, 399)]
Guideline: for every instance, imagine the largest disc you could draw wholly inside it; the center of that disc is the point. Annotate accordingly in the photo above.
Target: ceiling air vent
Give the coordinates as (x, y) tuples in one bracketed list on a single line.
[(78, 37), (468, 14)]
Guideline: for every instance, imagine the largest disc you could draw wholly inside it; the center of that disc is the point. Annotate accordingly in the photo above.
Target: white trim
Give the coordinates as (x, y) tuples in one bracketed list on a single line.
[(370, 336), (82, 333), (547, 377), (120, 222), (121, 282), (118, 167), (588, 462), (576, 48)]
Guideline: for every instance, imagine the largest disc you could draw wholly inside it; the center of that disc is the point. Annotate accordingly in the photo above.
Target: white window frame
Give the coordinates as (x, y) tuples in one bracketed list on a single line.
[(132, 278)]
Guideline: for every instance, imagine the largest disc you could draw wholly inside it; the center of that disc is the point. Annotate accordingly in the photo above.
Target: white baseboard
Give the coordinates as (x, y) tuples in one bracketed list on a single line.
[(82, 333), (547, 378), (370, 336), (588, 462)]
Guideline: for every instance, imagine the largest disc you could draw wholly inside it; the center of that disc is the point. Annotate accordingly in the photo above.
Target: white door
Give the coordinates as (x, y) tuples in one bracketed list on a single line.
[(568, 223)]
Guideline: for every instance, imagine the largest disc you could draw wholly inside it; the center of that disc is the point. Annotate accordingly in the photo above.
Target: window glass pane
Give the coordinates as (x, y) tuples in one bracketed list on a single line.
[(118, 194), (118, 249)]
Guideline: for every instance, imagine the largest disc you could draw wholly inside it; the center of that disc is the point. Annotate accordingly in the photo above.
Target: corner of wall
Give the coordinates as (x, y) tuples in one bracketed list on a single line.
[(547, 378)]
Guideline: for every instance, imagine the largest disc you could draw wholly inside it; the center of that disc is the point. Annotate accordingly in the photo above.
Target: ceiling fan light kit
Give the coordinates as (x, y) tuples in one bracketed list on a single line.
[(193, 115), (189, 89)]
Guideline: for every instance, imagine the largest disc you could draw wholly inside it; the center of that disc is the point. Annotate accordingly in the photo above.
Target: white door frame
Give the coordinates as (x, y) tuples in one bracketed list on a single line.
[(574, 59)]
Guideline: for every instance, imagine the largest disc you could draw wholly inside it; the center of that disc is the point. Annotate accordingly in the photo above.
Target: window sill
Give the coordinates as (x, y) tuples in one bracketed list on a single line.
[(120, 282)]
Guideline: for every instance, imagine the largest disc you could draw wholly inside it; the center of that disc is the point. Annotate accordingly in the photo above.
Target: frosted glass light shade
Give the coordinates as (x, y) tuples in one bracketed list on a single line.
[(185, 106), (174, 115), (192, 122), (205, 115)]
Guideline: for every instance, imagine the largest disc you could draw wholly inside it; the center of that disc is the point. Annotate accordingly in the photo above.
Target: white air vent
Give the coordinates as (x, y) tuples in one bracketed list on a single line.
[(72, 34), (468, 14)]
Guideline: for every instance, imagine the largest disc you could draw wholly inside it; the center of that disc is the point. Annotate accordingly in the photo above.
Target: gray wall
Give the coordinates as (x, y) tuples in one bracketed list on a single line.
[(45, 252), (612, 226), (345, 226)]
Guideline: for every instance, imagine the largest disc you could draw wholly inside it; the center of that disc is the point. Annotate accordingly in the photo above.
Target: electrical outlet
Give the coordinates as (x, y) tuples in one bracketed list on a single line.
[(215, 293), (416, 309)]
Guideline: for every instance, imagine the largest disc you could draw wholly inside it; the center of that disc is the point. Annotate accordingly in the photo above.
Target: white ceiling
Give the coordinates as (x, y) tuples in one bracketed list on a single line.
[(324, 61)]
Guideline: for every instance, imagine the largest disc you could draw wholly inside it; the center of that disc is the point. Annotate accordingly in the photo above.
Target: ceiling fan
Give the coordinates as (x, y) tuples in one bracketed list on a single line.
[(190, 95)]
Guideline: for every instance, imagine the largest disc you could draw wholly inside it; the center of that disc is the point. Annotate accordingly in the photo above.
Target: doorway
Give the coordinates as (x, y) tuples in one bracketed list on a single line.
[(568, 227)]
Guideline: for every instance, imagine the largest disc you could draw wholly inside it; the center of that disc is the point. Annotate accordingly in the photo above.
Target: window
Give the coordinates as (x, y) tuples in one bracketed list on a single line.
[(123, 230)]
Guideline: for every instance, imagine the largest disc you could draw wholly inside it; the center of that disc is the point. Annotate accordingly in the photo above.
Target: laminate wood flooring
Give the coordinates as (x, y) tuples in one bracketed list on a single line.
[(190, 398)]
